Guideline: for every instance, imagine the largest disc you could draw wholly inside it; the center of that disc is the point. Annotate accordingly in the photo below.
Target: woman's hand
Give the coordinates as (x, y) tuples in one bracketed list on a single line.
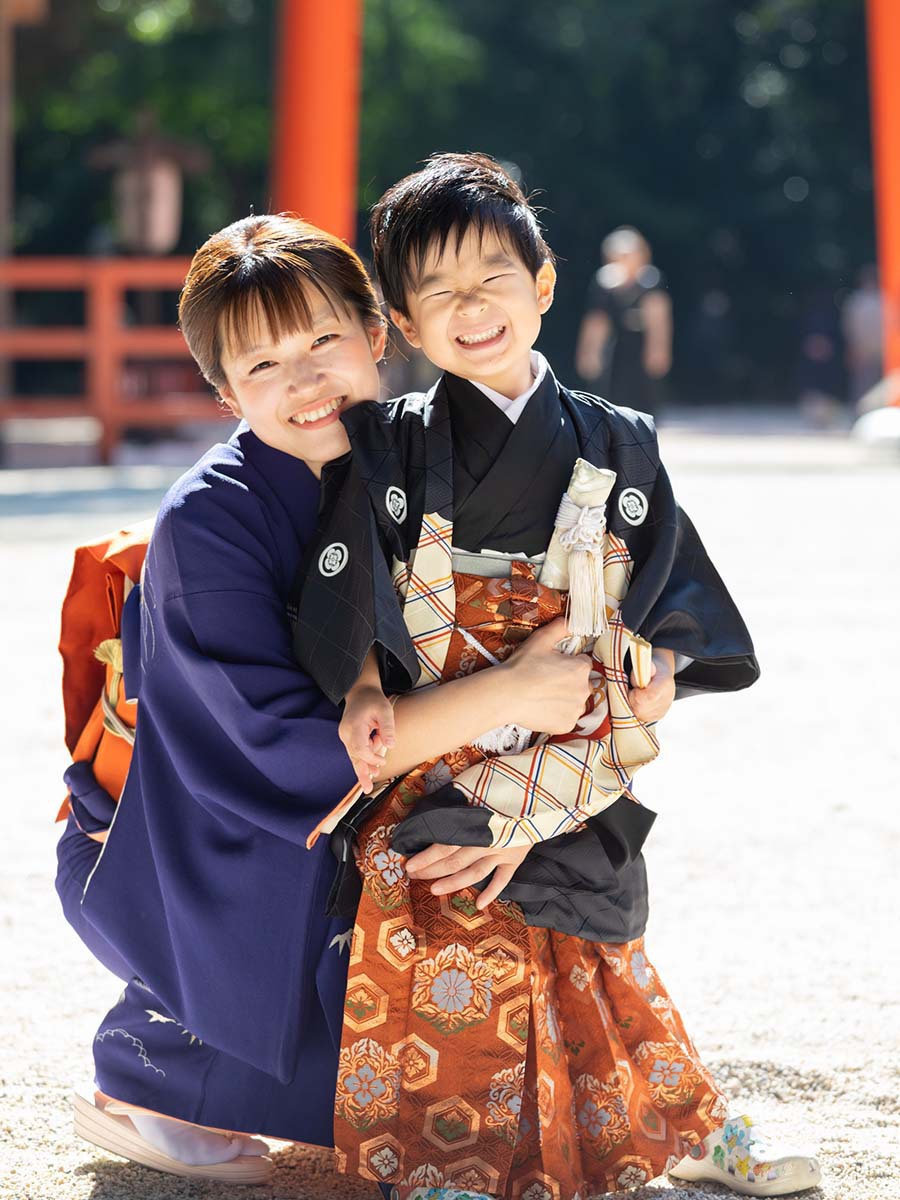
[(548, 690), (651, 703), (367, 731), (457, 867)]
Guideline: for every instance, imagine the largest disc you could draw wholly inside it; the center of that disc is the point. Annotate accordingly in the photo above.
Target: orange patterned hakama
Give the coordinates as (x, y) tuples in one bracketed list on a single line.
[(485, 1055)]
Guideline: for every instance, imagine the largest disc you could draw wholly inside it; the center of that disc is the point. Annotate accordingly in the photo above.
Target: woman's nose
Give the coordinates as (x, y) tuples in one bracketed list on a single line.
[(303, 377)]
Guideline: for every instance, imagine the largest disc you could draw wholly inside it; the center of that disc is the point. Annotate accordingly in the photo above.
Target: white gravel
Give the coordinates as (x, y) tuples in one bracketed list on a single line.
[(773, 865)]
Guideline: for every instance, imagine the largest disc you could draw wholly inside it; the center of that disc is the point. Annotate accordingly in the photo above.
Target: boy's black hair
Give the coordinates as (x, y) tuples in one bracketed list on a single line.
[(448, 195)]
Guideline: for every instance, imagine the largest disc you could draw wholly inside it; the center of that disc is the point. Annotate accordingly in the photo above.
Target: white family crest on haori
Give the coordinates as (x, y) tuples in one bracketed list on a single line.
[(395, 503), (633, 506), (333, 559)]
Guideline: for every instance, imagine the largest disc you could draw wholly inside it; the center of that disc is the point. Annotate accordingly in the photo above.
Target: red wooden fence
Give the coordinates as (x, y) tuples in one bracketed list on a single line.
[(104, 343)]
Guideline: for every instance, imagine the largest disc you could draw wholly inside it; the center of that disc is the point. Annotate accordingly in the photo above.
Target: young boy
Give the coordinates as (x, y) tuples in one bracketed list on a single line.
[(530, 1051)]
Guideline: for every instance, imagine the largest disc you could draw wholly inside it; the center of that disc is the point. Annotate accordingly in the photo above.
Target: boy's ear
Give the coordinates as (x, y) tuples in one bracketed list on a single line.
[(545, 283), (406, 327), (228, 398)]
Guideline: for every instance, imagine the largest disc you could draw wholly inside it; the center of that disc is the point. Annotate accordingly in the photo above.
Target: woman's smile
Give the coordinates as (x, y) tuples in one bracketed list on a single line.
[(322, 413)]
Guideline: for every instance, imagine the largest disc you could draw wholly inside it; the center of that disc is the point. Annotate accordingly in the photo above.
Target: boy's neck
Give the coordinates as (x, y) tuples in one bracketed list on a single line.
[(512, 382)]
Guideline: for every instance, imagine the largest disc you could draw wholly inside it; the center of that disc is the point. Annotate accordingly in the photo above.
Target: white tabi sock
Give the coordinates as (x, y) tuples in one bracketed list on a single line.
[(192, 1144)]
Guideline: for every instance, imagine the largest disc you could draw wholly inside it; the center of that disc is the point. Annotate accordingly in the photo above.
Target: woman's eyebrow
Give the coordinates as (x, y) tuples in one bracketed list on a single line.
[(249, 352)]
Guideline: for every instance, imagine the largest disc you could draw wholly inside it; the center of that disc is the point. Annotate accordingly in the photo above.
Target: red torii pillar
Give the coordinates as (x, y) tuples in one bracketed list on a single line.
[(317, 112), (884, 79)]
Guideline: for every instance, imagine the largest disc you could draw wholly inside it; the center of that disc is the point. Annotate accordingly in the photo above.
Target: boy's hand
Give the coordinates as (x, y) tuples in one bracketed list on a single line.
[(651, 703), (367, 731), (456, 867)]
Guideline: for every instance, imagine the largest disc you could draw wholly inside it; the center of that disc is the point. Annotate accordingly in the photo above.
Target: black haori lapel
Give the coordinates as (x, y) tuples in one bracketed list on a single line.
[(509, 483), (343, 598)]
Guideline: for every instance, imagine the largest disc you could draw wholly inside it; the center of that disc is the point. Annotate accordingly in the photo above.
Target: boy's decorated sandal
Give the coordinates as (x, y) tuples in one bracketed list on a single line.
[(738, 1156), (118, 1135)]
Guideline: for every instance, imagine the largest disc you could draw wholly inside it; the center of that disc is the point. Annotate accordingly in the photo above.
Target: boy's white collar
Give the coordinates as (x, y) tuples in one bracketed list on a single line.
[(514, 408)]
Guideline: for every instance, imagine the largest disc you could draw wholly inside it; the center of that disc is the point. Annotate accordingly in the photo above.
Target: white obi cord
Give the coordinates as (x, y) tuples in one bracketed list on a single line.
[(582, 529)]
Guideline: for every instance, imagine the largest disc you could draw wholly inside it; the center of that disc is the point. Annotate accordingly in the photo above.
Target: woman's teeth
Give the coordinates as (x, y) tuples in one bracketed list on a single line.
[(316, 414), (472, 339)]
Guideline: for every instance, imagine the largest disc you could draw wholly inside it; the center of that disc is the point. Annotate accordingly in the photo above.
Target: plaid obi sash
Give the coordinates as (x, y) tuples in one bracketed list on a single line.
[(553, 785)]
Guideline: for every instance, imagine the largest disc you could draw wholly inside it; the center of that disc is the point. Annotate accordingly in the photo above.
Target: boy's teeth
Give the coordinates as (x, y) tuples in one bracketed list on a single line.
[(316, 414), (472, 339)]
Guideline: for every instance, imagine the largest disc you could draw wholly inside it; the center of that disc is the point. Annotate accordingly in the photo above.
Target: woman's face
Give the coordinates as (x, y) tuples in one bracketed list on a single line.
[(291, 391)]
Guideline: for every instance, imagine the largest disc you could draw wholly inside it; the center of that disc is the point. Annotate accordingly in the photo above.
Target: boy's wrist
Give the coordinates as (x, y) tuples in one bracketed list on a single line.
[(665, 659)]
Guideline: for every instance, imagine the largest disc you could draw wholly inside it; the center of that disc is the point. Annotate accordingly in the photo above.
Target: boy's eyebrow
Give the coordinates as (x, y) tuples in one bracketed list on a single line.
[(497, 259)]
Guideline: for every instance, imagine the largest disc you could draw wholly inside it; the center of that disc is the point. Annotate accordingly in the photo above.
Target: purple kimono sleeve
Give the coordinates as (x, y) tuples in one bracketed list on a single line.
[(251, 735)]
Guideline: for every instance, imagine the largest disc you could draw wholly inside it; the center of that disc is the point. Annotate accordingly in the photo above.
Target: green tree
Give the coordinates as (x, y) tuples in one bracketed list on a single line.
[(733, 134)]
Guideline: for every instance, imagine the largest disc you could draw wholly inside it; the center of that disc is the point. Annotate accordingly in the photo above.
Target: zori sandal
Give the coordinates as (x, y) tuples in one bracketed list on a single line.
[(118, 1135)]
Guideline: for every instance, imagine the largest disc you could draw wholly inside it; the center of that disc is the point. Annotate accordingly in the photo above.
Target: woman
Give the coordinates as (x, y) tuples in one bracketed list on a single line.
[(203, 886)]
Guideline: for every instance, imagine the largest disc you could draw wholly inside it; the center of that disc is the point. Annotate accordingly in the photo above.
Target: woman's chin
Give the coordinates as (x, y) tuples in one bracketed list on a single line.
[(321, 445)]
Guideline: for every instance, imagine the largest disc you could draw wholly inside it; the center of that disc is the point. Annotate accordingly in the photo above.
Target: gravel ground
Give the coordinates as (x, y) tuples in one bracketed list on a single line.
[(773, 862)]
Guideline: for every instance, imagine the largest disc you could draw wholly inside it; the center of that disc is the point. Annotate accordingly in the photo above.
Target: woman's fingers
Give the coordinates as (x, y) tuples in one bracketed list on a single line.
[(548, 635)]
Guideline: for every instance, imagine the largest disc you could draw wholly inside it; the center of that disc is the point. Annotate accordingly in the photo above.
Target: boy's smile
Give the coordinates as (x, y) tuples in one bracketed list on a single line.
[(476, 310)]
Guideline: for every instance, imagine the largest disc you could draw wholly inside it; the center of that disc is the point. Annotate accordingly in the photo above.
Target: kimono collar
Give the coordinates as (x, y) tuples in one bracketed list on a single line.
[(507, 478), (513, 409)]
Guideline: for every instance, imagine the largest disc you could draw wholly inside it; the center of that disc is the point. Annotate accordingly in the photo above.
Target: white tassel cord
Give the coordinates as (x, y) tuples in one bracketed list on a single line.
[(581, 534)]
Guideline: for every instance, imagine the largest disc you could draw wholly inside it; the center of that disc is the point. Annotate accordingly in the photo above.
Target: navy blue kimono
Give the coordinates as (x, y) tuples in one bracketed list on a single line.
[(204, 885)]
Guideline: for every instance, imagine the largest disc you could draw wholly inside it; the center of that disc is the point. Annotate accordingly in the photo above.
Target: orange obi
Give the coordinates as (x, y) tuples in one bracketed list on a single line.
[(99, 720), (485, 1055)]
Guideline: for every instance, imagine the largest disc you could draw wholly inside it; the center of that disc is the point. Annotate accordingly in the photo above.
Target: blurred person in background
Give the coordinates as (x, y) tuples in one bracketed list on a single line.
[(861, 321), (820, 378), (625, 340)]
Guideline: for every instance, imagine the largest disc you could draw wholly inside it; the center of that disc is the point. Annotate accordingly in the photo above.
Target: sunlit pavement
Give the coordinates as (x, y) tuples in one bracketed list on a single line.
[(773, 863)]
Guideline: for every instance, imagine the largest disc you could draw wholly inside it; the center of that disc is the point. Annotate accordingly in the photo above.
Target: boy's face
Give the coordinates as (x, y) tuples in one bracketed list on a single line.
[(291, 391), (476, 311)]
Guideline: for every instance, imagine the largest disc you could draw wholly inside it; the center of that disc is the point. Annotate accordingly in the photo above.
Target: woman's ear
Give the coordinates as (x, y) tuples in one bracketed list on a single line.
[(378, 340), (545, 283), (406, 327), (228, 398)]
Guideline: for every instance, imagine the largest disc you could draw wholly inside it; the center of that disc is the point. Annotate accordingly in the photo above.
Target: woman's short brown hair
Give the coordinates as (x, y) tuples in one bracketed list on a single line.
[(267, 264)]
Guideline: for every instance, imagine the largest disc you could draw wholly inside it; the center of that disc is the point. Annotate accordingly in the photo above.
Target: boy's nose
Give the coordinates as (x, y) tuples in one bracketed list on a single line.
[(472, 302)]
